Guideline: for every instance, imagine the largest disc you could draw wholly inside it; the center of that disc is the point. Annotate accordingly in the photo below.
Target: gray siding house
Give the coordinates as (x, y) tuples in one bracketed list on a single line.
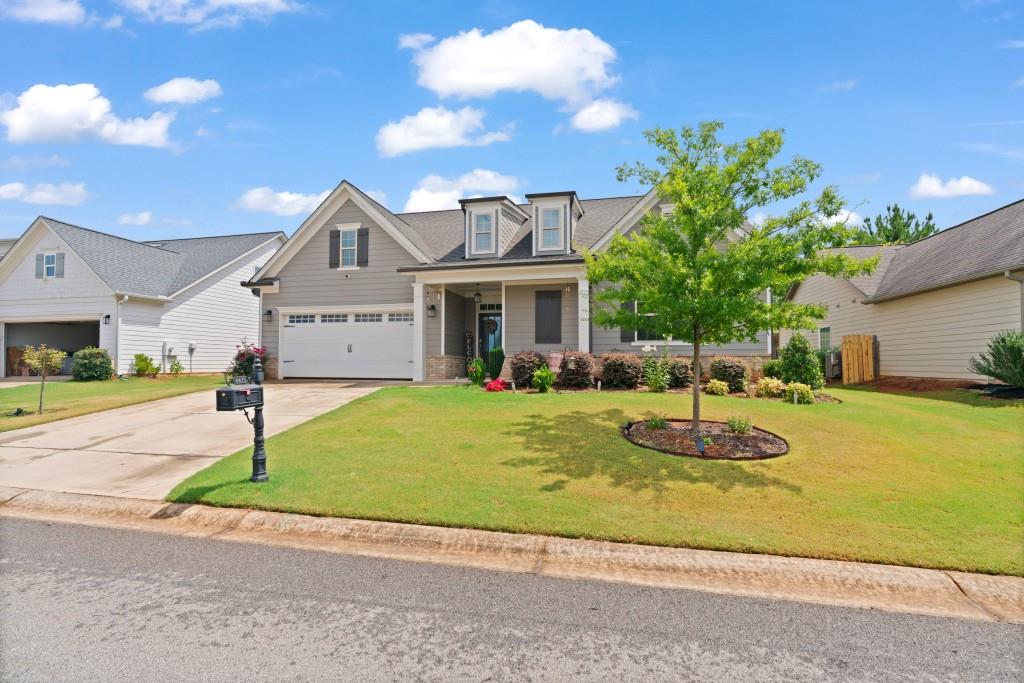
[(361, 292)]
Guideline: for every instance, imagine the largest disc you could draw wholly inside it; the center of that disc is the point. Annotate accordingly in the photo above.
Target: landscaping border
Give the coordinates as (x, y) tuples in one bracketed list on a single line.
[(625, 434)]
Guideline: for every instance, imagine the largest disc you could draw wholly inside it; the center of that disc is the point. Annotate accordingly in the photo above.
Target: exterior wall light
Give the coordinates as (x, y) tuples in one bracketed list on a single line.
[(106, 319), (431, 311), (268, 315)]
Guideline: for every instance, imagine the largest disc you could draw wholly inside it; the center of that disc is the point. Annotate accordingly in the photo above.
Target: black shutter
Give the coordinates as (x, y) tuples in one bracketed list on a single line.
[(59, 269), (334, 250), (363, 247), (548, 317), (627, 335), (39, 266)]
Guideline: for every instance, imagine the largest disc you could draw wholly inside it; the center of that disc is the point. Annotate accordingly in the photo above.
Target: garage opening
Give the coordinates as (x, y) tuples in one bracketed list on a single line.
[(66, 336)]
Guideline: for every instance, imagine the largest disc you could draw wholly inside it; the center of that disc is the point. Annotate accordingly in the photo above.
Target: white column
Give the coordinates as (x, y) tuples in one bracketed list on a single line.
[(444, 298), (504, 319), (583, 313), (419, 312)]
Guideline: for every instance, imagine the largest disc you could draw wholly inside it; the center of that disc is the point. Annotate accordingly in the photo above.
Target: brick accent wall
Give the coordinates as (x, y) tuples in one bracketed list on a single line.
[(445, 367)]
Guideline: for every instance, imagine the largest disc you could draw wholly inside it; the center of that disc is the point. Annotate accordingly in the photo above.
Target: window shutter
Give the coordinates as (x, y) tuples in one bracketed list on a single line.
[(334, 250), (60, 265), (548, 317), (627, 335), (39, 266), (363, 247)]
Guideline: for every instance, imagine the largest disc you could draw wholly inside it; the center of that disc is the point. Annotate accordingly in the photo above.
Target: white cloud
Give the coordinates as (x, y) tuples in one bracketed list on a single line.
[(436, 127), (24, 163), (68, 194), (844, 216), (140, 218), (206, 14), (70, 113), (378, 196), (1012, 45), (112, 22), (933, 186), (435, 192), (266, 200), (43, 11), (602, 114), (414, 41), (758, 218), (840, 86), (183, 91)]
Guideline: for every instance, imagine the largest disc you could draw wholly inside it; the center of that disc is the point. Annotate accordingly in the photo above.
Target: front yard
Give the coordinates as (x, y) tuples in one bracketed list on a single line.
[(70, 399), (931, 480)]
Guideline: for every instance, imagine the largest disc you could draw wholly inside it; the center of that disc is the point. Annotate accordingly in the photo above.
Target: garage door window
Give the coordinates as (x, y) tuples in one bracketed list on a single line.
[(369, 317), (301, 318), (334, 318), (399, 317)]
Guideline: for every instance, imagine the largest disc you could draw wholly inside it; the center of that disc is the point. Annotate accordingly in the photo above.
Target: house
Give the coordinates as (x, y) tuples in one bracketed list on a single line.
[(361, 292), (932, 304), (70, 287)]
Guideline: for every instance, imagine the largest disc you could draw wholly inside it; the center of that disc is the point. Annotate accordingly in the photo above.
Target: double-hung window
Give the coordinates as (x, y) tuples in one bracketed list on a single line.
[(551, 229), (349, 239), (825, 338), (483, 232), (50, 265)]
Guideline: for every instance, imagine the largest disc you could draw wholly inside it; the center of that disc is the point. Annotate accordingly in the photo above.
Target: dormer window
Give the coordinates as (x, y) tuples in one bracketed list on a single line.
[(483, 232), (50, 265), (551, 228)]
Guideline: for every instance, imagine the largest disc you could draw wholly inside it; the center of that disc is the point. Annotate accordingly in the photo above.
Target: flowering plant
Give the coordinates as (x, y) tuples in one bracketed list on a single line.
[(496, 385), (245, 356)]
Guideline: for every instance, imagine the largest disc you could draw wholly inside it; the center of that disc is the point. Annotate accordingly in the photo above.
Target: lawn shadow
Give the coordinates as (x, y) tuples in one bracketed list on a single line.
[(197, 494), (579, 445), (963, 396)]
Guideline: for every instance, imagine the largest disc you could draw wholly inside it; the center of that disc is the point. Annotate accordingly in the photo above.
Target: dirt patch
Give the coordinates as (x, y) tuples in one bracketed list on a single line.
[(720, 443), (914, 384)]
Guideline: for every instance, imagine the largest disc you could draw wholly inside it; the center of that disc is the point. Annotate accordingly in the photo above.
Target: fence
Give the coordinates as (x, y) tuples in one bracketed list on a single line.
[(858, 358)]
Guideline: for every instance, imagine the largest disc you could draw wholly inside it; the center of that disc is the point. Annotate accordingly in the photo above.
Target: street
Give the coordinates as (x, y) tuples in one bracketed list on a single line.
[(85, 603)]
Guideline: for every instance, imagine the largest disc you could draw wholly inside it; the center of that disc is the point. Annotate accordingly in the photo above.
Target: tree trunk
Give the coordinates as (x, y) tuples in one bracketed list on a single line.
[(696, 386), (42, 387)]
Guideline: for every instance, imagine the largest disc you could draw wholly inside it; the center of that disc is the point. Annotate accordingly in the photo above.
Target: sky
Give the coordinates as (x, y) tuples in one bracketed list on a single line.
[(154, 119)]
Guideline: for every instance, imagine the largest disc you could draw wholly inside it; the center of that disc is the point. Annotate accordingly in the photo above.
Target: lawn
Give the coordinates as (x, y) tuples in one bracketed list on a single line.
[(69, 399), (931, 480)]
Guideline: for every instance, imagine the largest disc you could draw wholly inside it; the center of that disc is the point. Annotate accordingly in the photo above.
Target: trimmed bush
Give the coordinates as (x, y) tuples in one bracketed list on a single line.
[(716, 387), (772, 368), (804, 394), (621, 371), (1002, 360), (92, 364), (577, 371), (769, 387), (680, 373), (496, 385), (495, 361), (800, 363), (145, 366), (523, 366), (543, 379), (732, 372)]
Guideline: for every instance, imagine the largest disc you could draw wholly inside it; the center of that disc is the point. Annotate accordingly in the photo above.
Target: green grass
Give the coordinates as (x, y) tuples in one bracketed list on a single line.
[(69, 399), (931, 480)]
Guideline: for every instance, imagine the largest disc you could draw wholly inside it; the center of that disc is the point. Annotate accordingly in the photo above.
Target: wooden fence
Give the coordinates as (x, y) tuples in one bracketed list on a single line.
[(858, 358)]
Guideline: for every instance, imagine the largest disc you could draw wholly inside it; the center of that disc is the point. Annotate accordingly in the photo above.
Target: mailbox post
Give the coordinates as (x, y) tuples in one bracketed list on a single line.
[(236, 396)]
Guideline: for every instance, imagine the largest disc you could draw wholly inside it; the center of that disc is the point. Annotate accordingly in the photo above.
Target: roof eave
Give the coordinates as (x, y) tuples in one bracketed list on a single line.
[(944, 285)]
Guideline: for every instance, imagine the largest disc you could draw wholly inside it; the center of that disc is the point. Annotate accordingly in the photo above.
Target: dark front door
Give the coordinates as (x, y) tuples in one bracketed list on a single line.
[(489, 333)]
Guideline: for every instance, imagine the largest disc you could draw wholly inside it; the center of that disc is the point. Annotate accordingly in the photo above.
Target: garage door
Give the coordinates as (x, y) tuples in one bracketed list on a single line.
[(345, 344)]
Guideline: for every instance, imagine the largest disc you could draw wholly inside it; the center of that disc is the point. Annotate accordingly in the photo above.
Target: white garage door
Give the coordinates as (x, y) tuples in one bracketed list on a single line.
[(345, 344)]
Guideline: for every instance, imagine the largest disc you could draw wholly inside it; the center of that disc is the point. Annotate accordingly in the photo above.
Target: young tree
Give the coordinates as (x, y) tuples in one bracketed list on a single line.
[(44, 362), (699, 272), (895, 226)]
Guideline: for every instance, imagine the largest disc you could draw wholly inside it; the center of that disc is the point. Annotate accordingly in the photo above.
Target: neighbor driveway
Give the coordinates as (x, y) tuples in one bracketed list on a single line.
[(143, 450)]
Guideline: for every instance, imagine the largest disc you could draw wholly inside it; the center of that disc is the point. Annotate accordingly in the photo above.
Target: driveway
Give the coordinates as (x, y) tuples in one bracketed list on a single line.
[(143, 451)]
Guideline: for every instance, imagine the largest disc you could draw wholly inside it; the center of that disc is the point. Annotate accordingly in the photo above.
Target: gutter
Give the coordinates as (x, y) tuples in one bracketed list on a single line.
[(147, 297), (470, 264)]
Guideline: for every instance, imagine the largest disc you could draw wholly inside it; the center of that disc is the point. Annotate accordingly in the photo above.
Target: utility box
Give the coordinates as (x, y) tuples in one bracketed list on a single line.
[(237, 397)]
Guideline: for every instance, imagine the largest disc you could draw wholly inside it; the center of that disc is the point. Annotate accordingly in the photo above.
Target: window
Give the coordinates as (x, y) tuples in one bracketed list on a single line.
[(483, 232), (334, 318), (50, 265), (301, 318), (349, 239), (825, 338), (490, 307), (548, 317), (368, 317), (550, 229), (399, 317)]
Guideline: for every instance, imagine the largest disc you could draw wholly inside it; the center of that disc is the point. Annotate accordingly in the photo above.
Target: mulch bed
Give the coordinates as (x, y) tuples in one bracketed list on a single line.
[(677, 439)]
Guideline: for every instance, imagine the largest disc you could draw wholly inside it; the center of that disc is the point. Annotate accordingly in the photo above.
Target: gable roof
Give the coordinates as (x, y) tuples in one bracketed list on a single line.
[(868, 284), (157, 269)]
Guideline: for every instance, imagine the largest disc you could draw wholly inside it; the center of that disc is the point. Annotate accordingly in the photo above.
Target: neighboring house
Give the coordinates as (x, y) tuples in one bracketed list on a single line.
[(70, 287), (932, 304), (359, 291), (6, 244)]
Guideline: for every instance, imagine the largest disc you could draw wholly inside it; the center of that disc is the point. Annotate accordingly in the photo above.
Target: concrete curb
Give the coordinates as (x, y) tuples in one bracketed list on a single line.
[(849, 584)]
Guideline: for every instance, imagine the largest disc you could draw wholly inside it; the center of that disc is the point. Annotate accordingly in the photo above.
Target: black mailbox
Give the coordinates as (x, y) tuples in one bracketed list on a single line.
[(239, 396)]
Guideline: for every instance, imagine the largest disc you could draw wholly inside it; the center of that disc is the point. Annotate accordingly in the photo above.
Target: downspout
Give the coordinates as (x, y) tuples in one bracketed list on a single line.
[(1020, 279)]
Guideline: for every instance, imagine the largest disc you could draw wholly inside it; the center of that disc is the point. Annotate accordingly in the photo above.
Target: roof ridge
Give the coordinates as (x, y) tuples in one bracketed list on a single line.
[(592, 199), (963, 223), (107, 234)]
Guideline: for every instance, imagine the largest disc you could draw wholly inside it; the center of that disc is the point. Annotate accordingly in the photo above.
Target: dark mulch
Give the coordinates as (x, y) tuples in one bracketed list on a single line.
[(677, 439)]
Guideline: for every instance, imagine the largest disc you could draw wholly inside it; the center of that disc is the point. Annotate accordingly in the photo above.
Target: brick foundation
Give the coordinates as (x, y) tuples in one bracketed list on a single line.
[(445, 367)]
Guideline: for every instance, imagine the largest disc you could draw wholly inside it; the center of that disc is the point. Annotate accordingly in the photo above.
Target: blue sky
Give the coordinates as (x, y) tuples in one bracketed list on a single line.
[(276, 101)]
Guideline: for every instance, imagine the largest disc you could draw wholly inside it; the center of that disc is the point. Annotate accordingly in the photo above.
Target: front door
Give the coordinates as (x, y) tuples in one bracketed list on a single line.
[(489, 333)]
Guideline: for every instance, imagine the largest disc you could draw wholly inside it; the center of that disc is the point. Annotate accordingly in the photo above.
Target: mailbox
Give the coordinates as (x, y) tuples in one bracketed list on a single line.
[(239, 396)]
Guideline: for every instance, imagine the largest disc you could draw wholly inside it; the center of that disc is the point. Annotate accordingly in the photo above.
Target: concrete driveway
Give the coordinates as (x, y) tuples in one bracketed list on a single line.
[(144, 450)]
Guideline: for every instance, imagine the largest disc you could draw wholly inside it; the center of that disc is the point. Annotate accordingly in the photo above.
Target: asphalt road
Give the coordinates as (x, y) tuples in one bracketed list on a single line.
[(82, 603)]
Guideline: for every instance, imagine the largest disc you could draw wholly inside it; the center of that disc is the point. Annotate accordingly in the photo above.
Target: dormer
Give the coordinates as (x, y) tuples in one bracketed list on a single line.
[(555, 215), (491, 223)]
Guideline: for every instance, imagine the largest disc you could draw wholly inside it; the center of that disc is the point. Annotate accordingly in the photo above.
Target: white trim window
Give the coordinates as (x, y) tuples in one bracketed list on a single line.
[(368, 317), (824, 338), (550, 229), (349, 241), (334, 318), (405, 317), (301, 318), (49, 265), (483, 232)]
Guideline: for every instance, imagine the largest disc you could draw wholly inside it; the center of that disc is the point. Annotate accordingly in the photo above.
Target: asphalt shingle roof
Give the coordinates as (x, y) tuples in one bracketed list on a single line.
[(155, 268), (868, 284)]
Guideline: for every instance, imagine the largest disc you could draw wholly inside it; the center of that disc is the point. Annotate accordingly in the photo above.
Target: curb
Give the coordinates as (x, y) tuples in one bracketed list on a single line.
[(847, 584)]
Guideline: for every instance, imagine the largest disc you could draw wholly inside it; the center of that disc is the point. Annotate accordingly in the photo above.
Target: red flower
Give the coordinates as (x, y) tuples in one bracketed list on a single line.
[(496, 385)]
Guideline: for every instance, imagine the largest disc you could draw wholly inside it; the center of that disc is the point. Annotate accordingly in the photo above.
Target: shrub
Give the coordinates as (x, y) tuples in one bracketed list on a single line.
[(800, 363), (91, 364), (245, 358), (802, 392), (621, 371), (769, 387), (523, 365), (543, 379), (577, 371), (716, 387), (1003, 359), (657, 422), (145, 366), (656, 374), (738, 424), (680, 373), (176, 367), (772, 368), (477, 373), (732, 372), (495, 361), (496, 385)]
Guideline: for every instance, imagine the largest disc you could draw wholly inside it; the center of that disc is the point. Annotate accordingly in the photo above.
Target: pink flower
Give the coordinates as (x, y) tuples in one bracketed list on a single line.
[(496, 385)]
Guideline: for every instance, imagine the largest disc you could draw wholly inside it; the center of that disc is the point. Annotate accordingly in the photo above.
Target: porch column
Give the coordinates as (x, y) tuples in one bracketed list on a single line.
[(419, 327), (583, 313)]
